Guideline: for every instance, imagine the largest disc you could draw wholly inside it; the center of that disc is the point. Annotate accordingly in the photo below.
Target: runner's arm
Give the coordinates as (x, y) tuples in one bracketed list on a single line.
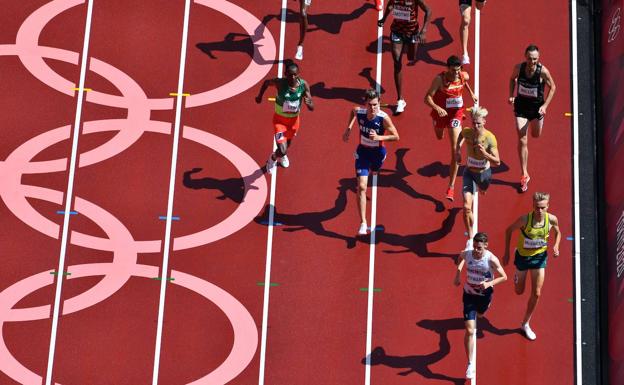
[(460, 266), (263, 88), (425, 7), (513, 227), (389, 7), (472, 94), (493, 156), (345, 135), (307, 97), (550, 82), (554, 222), (388, 125), (495, 264), (512, 82), (435, 86)]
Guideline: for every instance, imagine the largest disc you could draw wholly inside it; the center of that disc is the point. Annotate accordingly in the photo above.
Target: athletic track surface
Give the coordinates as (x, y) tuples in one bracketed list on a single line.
[(136, 150)]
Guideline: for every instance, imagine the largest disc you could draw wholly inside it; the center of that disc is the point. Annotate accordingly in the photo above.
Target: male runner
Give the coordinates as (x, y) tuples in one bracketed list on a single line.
[(531, 252), (303, 26), (529, 104), (482, 152), (404, 31), (478, 289), (447, 109), (371, 151), (291, 90), (465, 9)]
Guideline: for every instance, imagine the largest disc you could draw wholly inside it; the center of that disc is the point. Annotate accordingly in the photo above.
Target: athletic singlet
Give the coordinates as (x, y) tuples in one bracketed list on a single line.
[(405, 14), (531, 89), (475, 159), (478, 270), (533, 240), (366, 125), (288, 101), (449, 96)]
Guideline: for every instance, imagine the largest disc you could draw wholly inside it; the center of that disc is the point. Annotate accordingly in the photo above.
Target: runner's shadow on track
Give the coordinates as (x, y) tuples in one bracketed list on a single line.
[(326, 22), (423, 51), (313, 221), (231, 188), (442, 170), (421, 363), (353, 95), (236, 42)]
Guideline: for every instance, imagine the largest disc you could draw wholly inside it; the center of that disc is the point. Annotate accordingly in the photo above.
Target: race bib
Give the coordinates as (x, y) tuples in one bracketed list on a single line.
[(534, 243), (478, 163), (529, 92), (368, 142), (401, 12), (291, 106), (454, 102)]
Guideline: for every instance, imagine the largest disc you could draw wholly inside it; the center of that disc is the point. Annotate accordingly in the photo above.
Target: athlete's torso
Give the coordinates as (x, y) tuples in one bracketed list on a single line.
[(288, 100), (477, 271), (531, 88), (449, 96), (533, 239), (366, 124), (405, 17), (476, 159)]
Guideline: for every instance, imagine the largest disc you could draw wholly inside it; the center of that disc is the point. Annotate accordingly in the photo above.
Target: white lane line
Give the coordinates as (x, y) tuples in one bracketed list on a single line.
[(70, 191), (269, 252), (174, 160), (577, 201), (475, 208), (373, 223)]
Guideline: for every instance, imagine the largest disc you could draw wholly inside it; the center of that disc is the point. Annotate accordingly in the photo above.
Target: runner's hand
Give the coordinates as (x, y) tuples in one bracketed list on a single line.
[(479, 147), (441, 112), (484, 285), (420, 38), (542, 110), (372, 134), (456, 281), (345, 135), (556, 251), (505, 259), (474, 98), (511, 100)]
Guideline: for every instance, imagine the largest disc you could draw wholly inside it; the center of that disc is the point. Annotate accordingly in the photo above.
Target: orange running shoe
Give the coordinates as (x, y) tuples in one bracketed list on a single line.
[(524, 183), (450, 194)]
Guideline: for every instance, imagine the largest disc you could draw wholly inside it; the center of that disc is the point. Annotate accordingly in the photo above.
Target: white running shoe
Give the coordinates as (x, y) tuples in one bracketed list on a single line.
[(284, 162), (469, 245), (530, 334), (299, 54), (400, 106), (363, 228), (465, 59), (470, 371), (271, 165)]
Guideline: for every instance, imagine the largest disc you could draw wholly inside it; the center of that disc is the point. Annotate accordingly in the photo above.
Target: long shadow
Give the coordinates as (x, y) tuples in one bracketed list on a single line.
[(437, 168), (230, 188), (353, 95), (424, 50), (236, 42), (326, 22), (420, 364), (314, 221)]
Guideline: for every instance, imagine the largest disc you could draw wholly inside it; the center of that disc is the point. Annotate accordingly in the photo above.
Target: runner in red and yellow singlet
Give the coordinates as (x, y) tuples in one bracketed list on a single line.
[(445, 97)]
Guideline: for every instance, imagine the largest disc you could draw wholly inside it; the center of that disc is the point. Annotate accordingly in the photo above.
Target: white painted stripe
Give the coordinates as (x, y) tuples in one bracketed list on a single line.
[(475, 208), (373, 224), (69, 197), (577, 201), (172, 177), (269, 251)]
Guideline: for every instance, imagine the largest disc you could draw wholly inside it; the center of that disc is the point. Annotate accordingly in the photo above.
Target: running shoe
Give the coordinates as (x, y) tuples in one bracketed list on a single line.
[(284, 162), (378, 5), (363, 228), (271, 165), (528, 332), (400, 106), (524, 183), (450, 194), (470, 371), (465, 60), (469, 245), (299, 54)]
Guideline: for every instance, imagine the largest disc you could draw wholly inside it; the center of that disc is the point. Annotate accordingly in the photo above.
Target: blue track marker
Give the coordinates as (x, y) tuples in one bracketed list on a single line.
[(570, 238), (266, 223), (164, 218), (62, 212)]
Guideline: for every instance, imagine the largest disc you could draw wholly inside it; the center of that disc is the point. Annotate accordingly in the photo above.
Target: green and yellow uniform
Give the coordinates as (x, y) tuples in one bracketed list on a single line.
[(532, 246)]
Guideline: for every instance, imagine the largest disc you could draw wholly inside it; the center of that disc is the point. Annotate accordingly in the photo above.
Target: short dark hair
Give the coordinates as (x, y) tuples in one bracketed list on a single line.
[(453, 61), (531, 48), (480, 237), (371, 94), (292, 66)]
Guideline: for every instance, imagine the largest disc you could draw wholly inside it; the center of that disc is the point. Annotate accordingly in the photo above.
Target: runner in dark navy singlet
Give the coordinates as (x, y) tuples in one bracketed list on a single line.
[(371, 151), (530, 107)]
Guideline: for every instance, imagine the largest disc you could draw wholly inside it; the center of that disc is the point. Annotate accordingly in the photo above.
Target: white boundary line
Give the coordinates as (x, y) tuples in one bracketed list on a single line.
[(69, 196), (174, 160), (269, 252), (577, 230), (373, 233)]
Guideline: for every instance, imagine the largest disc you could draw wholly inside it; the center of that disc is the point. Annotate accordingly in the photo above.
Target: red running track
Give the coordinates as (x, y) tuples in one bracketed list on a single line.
[(317, 313)]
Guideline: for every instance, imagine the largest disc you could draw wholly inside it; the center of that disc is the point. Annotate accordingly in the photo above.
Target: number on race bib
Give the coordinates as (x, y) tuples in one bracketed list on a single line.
[(455, 123), (534, 243), (529, 92), (291, 106), (457, 102), (401, 13), (477, 163)]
